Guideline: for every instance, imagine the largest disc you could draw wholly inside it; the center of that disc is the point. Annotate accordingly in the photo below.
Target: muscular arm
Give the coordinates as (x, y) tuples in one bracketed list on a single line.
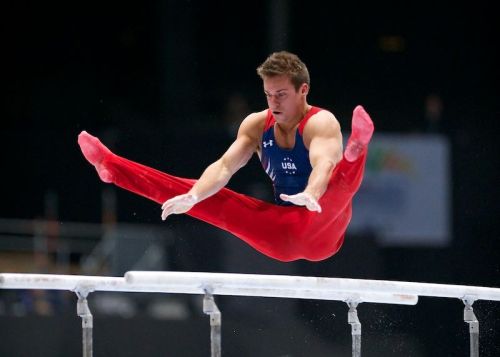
[(218, 174), (323, 137), (325, 151)]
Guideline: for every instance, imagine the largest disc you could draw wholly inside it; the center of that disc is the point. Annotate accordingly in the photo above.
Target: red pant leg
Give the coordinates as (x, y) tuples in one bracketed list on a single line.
[(260, 224), (321, 235), (284, 233)]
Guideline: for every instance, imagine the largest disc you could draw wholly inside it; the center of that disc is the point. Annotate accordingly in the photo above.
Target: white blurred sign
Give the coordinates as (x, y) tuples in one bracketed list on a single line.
[(405, 194)]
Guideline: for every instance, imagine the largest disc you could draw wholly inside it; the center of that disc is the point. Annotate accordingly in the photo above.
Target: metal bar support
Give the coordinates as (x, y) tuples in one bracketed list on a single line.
[(82, 309), (210, 308), (471, 319), (353, 320)]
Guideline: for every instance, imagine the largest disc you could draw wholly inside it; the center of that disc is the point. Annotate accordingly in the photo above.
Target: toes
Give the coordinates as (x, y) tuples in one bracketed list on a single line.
[(105, 175)]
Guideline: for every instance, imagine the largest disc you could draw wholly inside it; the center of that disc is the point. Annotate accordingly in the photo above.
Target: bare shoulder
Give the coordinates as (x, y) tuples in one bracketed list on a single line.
[(253, 124), (323, 123)]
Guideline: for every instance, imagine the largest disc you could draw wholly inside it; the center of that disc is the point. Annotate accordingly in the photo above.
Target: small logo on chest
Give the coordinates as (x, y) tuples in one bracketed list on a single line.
[(289, 166), (267, 143)]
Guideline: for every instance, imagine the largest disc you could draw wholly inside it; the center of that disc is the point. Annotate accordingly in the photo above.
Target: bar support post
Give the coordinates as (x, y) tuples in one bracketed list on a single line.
[(210, 308), (82, 309), (353, 320), (471, 319)]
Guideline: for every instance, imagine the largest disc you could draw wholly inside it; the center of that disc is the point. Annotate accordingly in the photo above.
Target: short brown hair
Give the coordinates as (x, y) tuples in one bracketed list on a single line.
[(285, 63)]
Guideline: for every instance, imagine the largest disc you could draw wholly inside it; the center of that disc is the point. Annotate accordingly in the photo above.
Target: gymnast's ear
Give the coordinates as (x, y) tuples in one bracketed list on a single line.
[(304, 88)]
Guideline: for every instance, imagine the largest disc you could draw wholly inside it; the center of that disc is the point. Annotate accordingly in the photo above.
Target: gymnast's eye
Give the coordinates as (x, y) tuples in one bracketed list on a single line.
[(279, 96)]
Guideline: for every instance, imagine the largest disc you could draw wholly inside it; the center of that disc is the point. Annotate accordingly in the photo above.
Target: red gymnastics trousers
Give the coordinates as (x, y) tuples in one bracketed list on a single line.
[(285, 233)]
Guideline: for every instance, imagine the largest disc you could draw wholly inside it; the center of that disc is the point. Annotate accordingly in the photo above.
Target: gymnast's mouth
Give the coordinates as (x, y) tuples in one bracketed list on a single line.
[(275, 112)]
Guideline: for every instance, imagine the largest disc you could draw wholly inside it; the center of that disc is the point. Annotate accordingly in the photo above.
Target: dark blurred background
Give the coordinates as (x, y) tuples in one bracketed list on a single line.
[(165, 83)]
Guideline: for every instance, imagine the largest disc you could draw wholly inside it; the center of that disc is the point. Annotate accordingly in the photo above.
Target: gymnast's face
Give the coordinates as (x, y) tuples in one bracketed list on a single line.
[(286, 103)]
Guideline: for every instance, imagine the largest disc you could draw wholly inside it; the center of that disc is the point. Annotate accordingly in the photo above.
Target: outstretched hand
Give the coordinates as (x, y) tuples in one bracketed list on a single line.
[(303, 199), (178, 204)]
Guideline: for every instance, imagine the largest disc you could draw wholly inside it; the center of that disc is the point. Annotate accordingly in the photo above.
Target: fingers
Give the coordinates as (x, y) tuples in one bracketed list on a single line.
[(303, 199), (172, 201), (172, 208), (177, 205), (285, 197), (167, 211), (314, 206)]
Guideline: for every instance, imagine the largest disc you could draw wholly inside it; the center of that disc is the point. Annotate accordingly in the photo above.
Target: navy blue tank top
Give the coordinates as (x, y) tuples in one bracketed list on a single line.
[(289, 169)]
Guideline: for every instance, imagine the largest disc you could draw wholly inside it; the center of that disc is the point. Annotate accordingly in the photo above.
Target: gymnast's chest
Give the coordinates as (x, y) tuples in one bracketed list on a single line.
[(279, 161)]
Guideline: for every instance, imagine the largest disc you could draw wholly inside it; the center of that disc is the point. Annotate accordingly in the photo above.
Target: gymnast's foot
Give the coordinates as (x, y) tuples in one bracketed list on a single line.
[(361, 133), (95, 151)]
